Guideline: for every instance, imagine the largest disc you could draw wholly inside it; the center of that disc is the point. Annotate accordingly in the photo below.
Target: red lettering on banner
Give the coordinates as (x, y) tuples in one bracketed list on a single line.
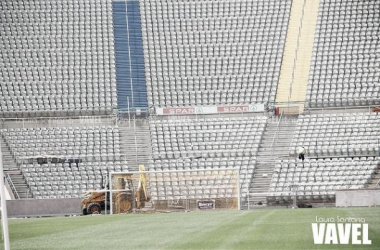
[(230, 109), (178, 111)]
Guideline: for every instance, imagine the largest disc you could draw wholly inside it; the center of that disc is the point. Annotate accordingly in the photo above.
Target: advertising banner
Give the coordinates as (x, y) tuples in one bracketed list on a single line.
[(205, 204), (210, 110)]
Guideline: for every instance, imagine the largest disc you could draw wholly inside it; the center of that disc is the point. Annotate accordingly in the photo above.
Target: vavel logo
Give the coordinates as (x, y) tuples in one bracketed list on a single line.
[(340, 231)]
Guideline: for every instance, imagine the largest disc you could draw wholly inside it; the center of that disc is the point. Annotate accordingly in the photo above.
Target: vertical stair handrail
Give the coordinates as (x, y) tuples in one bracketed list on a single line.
[(275, 134), (296, 52), (12, 186), (129, 54), (248, 186), (316, 147)]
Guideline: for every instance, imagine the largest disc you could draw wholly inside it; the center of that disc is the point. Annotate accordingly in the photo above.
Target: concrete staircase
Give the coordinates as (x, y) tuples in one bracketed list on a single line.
[(11, 168), (375, 180), (136, 148), (298, 49), (267, 156)]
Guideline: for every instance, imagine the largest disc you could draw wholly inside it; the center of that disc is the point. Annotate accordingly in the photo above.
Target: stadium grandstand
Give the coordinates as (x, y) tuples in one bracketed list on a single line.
[(90, 87)]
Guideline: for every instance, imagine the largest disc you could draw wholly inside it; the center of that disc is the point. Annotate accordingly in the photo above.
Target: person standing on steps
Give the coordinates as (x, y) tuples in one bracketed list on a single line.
[(301, 154)]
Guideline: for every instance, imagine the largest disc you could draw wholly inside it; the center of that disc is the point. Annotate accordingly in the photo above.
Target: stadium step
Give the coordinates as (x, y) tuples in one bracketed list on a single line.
[(135, 143), (278, 135), (297, 52), (10, 167), (19, 183), (374, 182)]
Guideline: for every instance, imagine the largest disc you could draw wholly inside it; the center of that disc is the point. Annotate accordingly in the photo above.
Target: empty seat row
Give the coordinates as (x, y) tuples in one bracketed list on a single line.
[(211, 144), (318, 179), (64, 142), (193, 185), (56, 179), (347, 134), (209, 135), (213, 39), (345, 61), (50, 49)]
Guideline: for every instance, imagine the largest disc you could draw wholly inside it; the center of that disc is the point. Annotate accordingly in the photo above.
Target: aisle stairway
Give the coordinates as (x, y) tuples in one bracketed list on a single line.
[(267, 156), (10, 167), (375, 180), (137, 149), (298, 49)]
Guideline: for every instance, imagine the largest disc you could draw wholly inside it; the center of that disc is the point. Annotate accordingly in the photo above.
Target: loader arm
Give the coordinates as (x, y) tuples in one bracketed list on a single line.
[(142, 191)]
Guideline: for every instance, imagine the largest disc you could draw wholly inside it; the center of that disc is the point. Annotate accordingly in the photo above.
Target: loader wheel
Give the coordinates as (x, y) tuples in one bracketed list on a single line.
[(125, 206), (93, 208), (84, 211)]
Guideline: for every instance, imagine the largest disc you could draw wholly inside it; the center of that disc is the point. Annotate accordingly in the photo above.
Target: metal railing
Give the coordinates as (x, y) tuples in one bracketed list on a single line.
[(296, 51), (71, 160), (276, 133), (57, 121), (123, 114), (11, 186), (369, 107)]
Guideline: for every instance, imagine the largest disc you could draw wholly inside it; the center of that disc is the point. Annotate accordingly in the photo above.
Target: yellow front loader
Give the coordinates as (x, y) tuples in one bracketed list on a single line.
[(94, 201)]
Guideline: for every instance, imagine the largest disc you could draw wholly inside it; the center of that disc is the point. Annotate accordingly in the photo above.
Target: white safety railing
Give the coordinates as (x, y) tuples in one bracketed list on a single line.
[(12, 187), (274, 140), (370, 108), (296, 52)]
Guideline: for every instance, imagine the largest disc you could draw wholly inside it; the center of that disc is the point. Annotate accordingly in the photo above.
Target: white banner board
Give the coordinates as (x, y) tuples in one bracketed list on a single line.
[(197, 110)]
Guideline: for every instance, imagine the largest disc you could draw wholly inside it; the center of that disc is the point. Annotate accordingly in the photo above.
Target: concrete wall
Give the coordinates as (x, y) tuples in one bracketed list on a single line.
[(7, 192), (43, 207), (358, 198)]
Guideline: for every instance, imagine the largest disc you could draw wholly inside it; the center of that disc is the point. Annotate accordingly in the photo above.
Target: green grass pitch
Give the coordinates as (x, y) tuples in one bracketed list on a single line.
[(255, 229)]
